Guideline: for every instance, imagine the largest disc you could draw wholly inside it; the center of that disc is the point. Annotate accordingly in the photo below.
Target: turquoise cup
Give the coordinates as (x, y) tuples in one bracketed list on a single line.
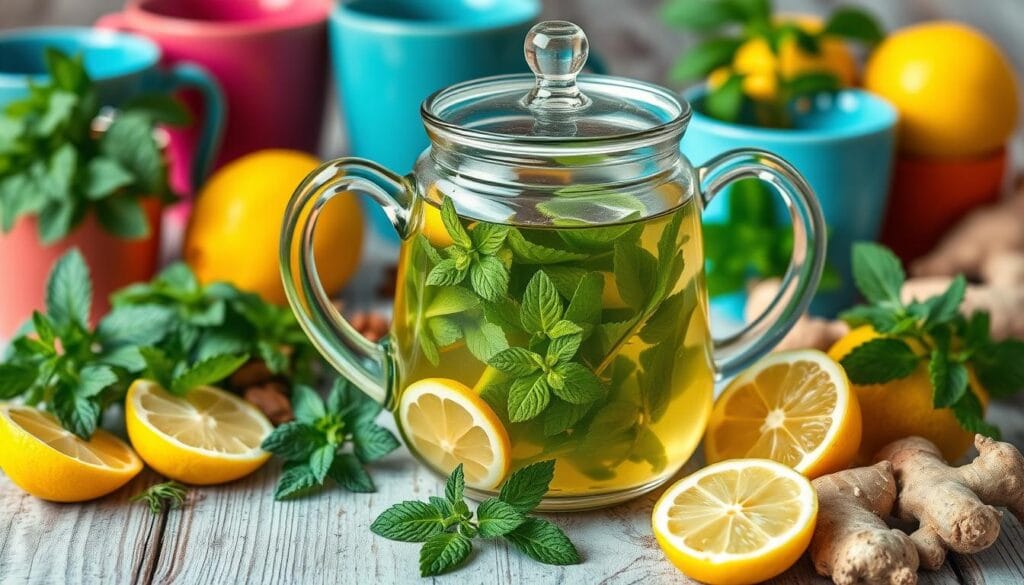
[(122, 66), (389, 55), (843, 144)]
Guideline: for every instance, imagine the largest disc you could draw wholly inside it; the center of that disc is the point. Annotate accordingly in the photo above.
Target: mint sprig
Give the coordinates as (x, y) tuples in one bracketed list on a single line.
[(55, 168), (313, 445), (931, 331), (446, 527)]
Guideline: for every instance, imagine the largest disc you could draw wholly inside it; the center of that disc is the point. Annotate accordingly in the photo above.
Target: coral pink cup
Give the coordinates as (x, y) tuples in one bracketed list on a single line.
[(269, 57), (113, 263)]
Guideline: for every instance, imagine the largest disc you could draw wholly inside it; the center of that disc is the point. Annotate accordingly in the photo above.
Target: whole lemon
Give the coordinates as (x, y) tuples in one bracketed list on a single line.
[(235, 228), (902, 408), (954, 89)]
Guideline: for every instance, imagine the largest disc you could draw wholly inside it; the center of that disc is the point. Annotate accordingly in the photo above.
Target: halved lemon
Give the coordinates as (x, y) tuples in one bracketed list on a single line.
[(736, 522), (794, 407), (51, 463), (206, 437), (446, 423)]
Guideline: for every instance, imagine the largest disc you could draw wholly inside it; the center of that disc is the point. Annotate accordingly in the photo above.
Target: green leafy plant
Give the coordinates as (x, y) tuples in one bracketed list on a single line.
[(55, 166), (313, 445), (446, 527), (169, 495), (930, 331), (726, 25), (172, 330)]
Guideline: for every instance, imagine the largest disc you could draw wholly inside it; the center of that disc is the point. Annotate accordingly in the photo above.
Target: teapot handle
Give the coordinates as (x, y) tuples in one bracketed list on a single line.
[(367, 364), (735, 352)]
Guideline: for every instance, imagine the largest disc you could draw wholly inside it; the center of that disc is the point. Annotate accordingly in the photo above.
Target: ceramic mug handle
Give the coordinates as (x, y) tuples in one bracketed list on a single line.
[(367, 364), (734, 353)]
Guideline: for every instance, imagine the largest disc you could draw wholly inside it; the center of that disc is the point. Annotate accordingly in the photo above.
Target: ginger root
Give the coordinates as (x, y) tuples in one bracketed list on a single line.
[(852, 542), (954, 505)]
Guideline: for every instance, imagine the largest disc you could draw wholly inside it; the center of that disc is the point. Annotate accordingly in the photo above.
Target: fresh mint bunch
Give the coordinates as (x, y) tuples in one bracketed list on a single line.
[(930, 331), (171, 330), (472, 254), (167, 495), (54, 166), (313, 444), (446, 527)]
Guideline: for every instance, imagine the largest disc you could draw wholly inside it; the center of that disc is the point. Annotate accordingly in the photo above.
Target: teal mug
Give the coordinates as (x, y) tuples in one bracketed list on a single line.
[(123, 66)]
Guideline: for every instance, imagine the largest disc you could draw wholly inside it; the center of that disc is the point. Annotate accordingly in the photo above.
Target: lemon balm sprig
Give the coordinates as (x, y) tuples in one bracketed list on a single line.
[(932, 331)]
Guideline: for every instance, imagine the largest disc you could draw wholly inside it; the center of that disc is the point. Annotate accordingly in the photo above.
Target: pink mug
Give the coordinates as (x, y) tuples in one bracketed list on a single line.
[(269, 57)]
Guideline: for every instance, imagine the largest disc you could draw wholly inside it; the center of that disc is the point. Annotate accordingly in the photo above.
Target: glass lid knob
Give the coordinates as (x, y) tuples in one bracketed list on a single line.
[(556, 51)]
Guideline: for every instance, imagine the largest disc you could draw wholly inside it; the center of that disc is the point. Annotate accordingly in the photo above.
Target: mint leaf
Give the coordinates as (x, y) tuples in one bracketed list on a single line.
[(854, 24), (542, 306), (516, 361), (489, 278), (136, 325), (580, 385), (488, 237), (294, 441), (78, 414), (527, 252), (635, 271), (453, 226), (544, 542), (969, 414), (561, 415), (320, 462), (878, 273), (159, 367), (527, 398), (409, 521), (207, 372), (16, 379), (443, 552), (484, 339), (123, 216), (1000, 366), (585, 303), (295, 480), (444, 331), (706, 56), (455, 487), (348, 472), (93, 379), (562, 349), (525, 488), (55, 220), (949, 380), (450, 300), (307, 405), (69, 291), (879, 361), (882, 319), (445, 273), (497, 518), (702, 15), (945, 307), (103, 176), (372, 441)]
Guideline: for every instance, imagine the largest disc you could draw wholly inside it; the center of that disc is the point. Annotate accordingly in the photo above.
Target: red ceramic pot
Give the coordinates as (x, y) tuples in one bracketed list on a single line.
[(930, 196), (25, 263)]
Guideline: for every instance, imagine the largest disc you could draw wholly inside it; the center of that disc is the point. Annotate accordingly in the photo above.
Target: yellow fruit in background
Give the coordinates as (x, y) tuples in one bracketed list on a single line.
[(904, 407), (235, 229), (433, 226), (955, 91), (51, 463)]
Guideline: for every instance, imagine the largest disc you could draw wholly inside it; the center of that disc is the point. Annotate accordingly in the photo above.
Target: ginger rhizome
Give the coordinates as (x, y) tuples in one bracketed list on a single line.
[(955, 505), (852, 542)]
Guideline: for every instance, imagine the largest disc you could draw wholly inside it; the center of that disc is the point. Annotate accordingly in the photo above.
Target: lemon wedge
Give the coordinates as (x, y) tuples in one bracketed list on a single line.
[(736, 522), (208, 436), (446, 424), (51, 463)]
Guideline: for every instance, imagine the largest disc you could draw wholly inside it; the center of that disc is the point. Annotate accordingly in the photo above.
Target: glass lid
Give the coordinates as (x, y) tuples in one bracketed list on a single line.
[(556, 102)]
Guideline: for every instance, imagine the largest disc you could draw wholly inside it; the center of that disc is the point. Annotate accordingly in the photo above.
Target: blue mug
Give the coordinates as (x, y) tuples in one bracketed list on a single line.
[(389, 55), (121, 65), (844, 145)]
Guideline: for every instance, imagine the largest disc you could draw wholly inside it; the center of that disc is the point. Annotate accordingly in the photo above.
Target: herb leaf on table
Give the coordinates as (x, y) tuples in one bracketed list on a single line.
[(446, 527), (313, 444)]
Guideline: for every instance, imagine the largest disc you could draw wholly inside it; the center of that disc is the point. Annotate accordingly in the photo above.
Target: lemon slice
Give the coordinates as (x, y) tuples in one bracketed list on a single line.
[(51, 463), (206, 437), (736, 522), (446, 423), (794, 407)]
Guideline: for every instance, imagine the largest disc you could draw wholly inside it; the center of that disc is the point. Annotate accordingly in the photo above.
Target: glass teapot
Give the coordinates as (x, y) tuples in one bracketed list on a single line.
[(550, 301)]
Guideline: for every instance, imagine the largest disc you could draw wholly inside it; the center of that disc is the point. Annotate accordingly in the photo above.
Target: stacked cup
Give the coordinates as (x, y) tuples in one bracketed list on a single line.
[(957, 99)]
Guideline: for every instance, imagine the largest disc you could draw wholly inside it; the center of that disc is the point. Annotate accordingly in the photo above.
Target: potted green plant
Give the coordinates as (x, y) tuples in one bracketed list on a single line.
[(71, 177), (785, 84)]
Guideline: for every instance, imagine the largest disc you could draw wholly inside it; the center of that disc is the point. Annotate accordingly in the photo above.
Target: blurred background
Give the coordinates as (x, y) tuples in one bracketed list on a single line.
[(630, 33)]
